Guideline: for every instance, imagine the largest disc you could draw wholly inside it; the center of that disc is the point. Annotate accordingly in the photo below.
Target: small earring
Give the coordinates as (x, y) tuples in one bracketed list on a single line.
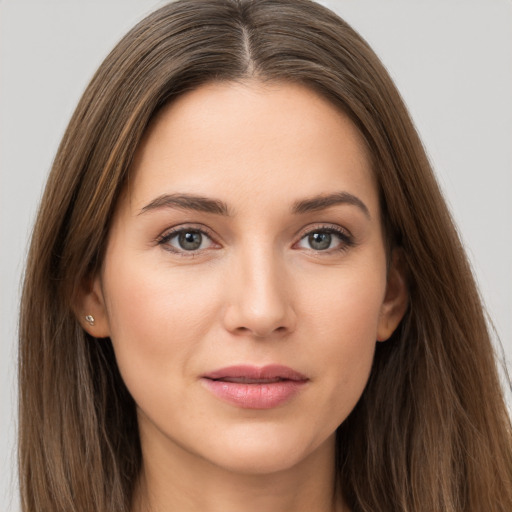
[(89, 319)]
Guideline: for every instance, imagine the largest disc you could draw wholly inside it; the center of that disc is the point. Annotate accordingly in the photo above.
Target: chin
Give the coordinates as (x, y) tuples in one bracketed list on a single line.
[(264, 453), (257, 463)]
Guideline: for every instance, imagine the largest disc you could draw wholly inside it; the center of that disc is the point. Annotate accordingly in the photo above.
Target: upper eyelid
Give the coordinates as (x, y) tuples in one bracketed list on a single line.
[(184, 227), (346, 239), (163, 240), (336, 228)]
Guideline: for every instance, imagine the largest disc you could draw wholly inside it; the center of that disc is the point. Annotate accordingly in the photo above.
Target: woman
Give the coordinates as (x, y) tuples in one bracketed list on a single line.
[(244, 289)]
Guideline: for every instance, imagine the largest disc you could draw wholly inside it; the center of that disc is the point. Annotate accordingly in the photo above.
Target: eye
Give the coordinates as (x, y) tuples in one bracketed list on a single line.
[(186, 240), (325, 239)]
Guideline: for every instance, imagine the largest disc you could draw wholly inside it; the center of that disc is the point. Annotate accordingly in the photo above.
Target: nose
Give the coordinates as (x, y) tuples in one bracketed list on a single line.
[(260, 297)]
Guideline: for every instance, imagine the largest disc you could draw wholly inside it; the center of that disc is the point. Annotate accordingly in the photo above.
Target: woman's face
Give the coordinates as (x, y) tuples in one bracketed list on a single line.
[(244, 285)]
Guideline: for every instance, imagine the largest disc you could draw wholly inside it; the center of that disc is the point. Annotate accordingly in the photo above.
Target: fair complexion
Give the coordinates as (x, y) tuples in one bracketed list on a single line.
[(249, 234)]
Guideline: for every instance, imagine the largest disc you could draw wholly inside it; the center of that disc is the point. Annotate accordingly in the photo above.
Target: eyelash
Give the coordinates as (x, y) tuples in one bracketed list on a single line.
[(164, 239), (346, 239)]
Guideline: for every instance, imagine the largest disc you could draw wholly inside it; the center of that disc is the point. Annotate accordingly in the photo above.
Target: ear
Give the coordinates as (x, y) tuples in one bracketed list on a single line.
[(91, 303), (396, 298)]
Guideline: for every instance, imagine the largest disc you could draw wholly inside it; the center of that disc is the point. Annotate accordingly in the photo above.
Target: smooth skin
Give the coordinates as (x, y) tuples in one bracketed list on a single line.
[(249, 233)]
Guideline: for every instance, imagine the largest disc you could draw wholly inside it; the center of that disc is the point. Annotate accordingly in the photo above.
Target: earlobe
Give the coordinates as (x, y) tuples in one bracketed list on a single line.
[(396, 299), (90, 309)]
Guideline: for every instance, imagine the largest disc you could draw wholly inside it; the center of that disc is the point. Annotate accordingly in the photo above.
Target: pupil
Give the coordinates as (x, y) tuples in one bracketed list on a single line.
[(320, 241), (190, 241)]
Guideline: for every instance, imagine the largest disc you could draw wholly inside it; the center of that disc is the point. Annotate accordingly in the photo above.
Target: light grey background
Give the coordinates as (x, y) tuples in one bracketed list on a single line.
[(451, 59)]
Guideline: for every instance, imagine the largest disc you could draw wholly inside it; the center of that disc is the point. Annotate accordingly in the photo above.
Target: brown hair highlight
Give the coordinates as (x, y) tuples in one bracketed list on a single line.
[(431, 431)]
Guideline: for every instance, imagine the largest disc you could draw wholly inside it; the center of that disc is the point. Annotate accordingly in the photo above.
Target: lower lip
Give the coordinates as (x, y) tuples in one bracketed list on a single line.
[(255, 396)]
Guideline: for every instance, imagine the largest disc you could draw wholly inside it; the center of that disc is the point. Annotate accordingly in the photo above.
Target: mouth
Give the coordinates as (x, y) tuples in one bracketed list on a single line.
[(251, 387), (246, 380), (257, 374)]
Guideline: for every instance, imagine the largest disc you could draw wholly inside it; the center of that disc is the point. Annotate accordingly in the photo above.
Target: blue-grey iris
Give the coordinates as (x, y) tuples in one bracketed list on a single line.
[(190, 240), (319, 241)]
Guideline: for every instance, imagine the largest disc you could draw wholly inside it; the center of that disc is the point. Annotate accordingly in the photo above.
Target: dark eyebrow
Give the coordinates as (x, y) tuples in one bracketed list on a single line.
[(322, 202), (187, 202)]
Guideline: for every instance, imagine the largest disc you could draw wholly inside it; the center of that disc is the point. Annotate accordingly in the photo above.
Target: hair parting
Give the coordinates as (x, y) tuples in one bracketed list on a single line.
[(431, 431)]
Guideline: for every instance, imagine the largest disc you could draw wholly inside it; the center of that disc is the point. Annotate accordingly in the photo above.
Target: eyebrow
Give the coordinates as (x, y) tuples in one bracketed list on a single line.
[(321, 202), (215, 206), (187, 202)]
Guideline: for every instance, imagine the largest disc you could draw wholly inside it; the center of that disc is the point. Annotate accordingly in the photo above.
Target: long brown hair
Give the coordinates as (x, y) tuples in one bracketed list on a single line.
[(431, 431)]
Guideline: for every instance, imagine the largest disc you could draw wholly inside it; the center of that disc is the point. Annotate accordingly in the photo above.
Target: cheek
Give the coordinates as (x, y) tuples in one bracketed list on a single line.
[(346, 302), (156, 318), (343, 318)]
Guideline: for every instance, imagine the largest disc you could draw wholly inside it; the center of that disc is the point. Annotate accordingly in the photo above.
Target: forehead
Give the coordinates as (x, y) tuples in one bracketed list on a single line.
[(241, 140)]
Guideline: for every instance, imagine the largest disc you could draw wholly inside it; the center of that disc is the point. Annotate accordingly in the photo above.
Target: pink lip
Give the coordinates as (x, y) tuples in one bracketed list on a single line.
[(251, 387)]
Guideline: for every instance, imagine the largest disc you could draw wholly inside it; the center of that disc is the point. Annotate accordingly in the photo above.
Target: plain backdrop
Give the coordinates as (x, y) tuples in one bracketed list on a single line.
[(452, 61)]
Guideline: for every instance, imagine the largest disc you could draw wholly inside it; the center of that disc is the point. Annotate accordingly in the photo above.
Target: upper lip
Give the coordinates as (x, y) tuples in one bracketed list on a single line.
[(262, 374)]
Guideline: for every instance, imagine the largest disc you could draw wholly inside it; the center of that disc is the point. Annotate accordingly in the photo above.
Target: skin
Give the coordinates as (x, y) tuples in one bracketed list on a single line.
[(257, 292)]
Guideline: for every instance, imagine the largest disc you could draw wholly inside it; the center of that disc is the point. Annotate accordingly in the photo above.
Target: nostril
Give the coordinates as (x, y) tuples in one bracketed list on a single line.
[(261, 333), (261, 315)]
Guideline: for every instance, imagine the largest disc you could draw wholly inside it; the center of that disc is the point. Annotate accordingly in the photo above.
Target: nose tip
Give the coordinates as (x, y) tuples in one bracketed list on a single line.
[(259, 324), (260, 305)]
